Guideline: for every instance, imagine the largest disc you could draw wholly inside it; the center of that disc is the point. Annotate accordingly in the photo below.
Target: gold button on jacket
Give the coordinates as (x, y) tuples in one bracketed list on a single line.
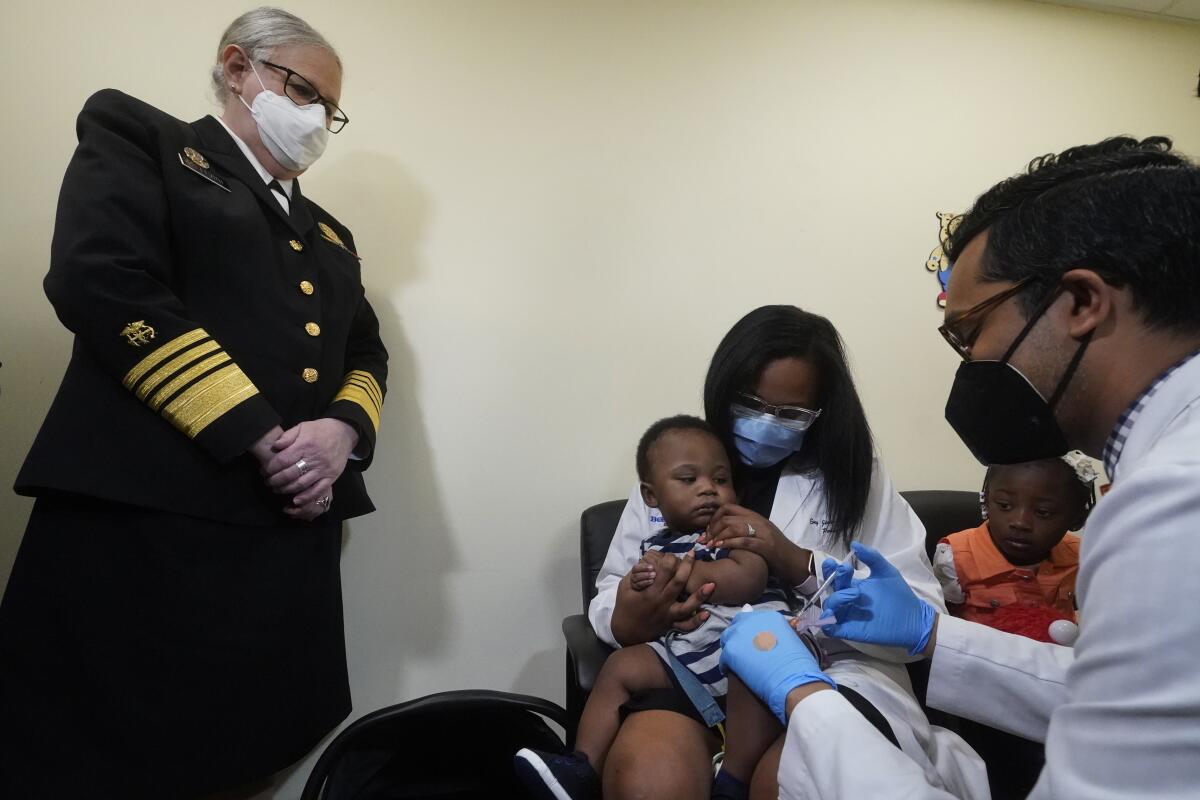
[(306, 287), (310, 375), (312, 328), (298, 246)]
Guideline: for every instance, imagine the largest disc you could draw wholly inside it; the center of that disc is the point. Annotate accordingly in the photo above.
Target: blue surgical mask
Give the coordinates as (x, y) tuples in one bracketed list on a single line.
[(762, 439)]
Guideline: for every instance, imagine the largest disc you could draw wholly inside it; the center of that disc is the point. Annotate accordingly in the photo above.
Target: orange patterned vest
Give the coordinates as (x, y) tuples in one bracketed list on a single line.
[(989, 581)]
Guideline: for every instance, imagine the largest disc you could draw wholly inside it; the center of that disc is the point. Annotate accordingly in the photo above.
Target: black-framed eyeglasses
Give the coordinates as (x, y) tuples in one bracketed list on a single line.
[(799, 415), (962, 331), (301, 92)]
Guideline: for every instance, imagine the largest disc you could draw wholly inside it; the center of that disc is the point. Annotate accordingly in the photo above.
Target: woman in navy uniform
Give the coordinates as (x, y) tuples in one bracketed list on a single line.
[(173, 624)]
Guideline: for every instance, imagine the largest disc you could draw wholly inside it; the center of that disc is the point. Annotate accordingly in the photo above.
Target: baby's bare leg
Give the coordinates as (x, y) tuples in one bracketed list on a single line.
[(765, 785), (630, 669), (750, 729)]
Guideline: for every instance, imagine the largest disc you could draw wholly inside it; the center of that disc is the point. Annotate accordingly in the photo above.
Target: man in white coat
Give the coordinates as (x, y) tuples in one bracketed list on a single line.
[(1074, 302)]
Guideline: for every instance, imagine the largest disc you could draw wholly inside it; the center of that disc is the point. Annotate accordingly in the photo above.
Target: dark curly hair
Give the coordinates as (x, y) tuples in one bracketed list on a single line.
[(1127, 209)]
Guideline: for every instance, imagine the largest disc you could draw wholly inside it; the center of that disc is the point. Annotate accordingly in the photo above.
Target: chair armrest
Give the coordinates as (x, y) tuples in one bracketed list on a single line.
[(586, 654), (585, 650)]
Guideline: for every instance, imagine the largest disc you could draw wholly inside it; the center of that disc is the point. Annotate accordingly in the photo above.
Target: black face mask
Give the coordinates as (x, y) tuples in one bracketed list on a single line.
[(999, 415)]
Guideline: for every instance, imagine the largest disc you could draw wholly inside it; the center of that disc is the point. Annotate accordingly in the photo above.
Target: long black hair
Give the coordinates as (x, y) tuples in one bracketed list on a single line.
[(839, 442)]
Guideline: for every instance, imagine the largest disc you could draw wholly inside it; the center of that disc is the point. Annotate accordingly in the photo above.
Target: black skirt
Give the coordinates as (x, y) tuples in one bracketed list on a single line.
[(148, 654)]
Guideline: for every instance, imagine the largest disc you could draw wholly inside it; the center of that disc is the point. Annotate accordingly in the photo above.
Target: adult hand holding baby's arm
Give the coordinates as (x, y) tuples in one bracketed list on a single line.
[(737, 528), (640, 616)]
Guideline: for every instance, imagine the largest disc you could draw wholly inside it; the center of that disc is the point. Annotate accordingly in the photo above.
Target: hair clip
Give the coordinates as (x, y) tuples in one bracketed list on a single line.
[(1082, 466)]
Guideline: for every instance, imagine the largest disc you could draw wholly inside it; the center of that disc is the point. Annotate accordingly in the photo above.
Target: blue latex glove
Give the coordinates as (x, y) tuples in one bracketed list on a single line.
[(770, 673), (880, 608), (844, 574)]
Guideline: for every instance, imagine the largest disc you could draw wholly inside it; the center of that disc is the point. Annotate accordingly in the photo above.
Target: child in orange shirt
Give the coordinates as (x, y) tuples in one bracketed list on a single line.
[(1016, 571)]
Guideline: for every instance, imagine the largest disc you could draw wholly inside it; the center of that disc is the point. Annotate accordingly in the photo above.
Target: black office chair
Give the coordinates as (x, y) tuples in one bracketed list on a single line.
[(585, 652), (943, 512), (449, 746)]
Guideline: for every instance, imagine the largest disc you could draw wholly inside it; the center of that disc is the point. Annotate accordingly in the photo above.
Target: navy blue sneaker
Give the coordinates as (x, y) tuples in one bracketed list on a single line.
[(555, 777)]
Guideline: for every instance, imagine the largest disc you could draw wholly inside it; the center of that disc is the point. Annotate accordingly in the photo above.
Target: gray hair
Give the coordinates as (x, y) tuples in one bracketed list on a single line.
[(259, 33)]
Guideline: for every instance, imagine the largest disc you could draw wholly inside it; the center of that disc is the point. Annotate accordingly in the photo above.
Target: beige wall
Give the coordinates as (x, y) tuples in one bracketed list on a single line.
[(562, 207)]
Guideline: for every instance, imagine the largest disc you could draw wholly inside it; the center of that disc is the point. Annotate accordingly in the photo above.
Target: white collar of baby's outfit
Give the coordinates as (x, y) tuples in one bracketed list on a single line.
[(267, 177)]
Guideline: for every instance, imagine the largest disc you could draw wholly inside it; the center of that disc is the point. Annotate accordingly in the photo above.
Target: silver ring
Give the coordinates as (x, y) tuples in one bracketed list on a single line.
[(749, 529), (324, 502), (302, 465)]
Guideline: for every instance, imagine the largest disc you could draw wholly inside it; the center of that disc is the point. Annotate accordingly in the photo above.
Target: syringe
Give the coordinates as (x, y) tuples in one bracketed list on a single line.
[(849, 559)]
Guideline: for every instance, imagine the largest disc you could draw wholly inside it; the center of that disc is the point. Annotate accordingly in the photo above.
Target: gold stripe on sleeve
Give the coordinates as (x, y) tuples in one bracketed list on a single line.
[(162, 354), (361, 397), (196, 407), (174, 365), (371, 384), (186, 377), (240, 391), (361, 384)]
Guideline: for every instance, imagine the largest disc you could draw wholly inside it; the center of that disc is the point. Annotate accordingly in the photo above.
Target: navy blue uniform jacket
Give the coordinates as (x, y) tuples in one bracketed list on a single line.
[(203, 315)]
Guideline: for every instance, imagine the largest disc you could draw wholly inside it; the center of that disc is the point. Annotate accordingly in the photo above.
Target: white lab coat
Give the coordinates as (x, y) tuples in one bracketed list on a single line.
[(878, 674), (1119, 713)]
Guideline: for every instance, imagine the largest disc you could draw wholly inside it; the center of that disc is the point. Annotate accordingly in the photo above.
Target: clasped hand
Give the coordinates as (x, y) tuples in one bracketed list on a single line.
[(304, 461)]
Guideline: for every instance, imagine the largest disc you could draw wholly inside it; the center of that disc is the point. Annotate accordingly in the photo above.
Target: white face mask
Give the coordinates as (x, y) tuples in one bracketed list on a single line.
[(295, 136)]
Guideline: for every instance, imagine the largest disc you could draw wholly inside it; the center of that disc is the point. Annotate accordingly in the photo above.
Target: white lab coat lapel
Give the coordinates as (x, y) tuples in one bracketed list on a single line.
[(1180, 391), (793, 496)]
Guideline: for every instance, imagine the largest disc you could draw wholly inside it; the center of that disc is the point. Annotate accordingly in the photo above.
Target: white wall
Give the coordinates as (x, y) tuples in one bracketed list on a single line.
[(563, 206)]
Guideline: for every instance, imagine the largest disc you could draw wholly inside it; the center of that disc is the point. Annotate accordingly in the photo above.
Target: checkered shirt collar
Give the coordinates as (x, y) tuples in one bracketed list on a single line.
[(1125, 422)]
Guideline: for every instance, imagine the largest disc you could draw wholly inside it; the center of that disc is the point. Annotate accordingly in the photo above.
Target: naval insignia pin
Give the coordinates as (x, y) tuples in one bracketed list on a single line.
[(331, 236), (138, 333), (197, 159), (200, 165)]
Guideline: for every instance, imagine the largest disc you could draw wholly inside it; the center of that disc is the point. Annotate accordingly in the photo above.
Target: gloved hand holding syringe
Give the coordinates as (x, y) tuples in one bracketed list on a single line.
[(832, 569), (808, 618), (838, 574)]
